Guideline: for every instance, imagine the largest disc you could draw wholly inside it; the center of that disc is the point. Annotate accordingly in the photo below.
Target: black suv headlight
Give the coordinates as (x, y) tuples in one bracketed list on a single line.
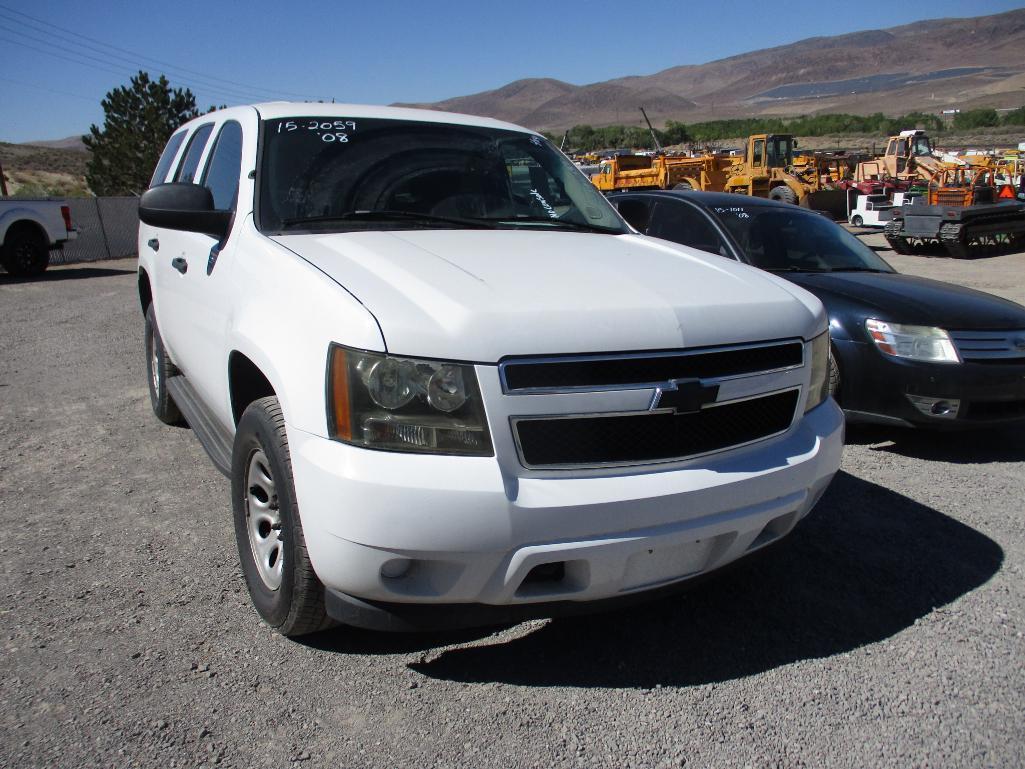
[(405, 404)]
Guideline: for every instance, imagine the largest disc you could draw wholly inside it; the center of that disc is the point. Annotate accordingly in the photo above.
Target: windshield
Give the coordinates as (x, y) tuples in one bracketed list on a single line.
[(789, 239), (341, 174), (780, 152), (921, 146)]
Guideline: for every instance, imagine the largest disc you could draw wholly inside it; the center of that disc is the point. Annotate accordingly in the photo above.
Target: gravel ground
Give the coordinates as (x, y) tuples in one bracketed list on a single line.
[(887, 631)]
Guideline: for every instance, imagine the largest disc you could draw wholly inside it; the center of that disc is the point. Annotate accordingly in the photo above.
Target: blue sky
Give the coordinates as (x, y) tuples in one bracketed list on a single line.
[(58, 58)]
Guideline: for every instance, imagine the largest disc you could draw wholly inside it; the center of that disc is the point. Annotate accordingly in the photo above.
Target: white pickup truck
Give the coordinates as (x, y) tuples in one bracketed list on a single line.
[(29, 230), (451, 386)]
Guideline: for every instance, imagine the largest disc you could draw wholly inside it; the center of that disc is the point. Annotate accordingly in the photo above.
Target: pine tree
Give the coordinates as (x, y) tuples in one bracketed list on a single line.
[(138, 120)]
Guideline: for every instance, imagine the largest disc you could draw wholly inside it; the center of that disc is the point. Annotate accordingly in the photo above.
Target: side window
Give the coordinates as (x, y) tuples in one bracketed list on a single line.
[(636, 211), (166, 158), (193, 152), (222, 170), (683, 223), (758, 152)]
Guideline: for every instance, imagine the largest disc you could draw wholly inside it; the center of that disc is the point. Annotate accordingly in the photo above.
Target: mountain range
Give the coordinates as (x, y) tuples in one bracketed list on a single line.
[(927, 65)]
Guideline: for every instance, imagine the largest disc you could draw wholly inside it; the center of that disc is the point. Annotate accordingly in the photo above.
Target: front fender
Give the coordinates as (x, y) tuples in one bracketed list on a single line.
[(287, 334)]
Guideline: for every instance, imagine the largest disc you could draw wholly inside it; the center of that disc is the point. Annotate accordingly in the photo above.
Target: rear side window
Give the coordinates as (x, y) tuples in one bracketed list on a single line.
[(166, 158), (194, 151), (222, 170)]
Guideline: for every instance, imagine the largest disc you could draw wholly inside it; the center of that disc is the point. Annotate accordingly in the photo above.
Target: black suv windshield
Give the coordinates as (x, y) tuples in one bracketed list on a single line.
[(344, 174), (789, 239)]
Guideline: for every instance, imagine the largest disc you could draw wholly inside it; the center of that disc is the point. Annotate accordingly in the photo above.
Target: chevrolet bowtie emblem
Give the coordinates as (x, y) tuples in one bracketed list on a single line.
[(683, 396)]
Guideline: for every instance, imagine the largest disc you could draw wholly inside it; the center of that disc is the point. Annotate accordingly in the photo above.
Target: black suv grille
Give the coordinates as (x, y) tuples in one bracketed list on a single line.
[(651, 437), (583, 373)]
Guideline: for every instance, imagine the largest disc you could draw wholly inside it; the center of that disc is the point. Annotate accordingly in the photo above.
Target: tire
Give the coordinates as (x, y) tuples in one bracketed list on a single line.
[(26, 252), (857, 221), (158, 370), (783, 194), (683, 186), (272, 549), (834, 377)]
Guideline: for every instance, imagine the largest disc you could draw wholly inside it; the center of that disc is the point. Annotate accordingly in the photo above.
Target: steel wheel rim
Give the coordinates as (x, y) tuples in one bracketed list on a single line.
[(263, 520)]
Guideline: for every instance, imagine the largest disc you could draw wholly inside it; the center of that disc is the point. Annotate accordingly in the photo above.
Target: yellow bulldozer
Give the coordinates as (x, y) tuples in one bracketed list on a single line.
[(766, 171), (769, 170)]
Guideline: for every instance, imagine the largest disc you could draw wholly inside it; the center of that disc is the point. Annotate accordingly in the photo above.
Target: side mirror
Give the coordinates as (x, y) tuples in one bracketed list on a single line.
[(188, 207)]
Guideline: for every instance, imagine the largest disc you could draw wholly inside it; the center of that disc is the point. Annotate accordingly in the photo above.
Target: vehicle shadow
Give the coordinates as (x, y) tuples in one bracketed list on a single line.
[(74, 273), (865, 565), (996, 444)]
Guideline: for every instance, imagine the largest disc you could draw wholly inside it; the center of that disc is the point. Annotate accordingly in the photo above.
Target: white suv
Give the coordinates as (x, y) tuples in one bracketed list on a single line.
[(450, 385)]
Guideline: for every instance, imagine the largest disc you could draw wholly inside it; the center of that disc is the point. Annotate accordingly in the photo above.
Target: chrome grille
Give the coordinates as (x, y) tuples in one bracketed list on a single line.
[(990, 346), (648, 369)]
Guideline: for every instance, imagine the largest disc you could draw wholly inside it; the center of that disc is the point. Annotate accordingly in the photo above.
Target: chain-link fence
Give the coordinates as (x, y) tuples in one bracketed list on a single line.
[(108, 228)]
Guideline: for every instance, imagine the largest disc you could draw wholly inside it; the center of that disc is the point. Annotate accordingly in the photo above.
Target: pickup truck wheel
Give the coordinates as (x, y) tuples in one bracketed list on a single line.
[(25, 253), (158, 368), (282, 583)]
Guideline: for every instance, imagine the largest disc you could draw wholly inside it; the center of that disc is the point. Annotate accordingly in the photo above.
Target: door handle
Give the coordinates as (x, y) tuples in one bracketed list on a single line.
[(153, 243), (180, 264)]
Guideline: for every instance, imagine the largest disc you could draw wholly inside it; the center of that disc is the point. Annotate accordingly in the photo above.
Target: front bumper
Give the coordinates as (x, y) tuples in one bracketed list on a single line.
[(875, 388), (391, 528)]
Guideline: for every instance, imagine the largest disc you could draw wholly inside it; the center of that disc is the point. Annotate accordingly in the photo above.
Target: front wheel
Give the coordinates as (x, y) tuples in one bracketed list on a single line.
[(282, 583), (158, 369), (783, 194), (834, 377), (857, 221)]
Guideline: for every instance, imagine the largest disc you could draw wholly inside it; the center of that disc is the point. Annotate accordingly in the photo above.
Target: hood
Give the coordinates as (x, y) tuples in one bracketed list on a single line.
[(913, 300), (481, 295)]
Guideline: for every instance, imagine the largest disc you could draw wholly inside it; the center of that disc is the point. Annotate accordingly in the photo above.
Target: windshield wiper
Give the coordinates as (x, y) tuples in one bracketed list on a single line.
[(855, 269), (389, 215), (791, 268), (547, 220)]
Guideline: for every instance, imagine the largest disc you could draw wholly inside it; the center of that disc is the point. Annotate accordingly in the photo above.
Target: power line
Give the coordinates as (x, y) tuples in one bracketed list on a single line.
[(36, 23), (213, 95), (36, 87), (215, 90)]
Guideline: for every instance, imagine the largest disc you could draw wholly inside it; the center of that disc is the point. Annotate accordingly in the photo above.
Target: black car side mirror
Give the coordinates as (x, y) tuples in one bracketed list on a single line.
[(189, 207)]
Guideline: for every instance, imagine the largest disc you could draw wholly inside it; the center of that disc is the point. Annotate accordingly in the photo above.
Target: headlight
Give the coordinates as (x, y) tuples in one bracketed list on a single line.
[(818, 388), (914, 342), (405, 404)]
